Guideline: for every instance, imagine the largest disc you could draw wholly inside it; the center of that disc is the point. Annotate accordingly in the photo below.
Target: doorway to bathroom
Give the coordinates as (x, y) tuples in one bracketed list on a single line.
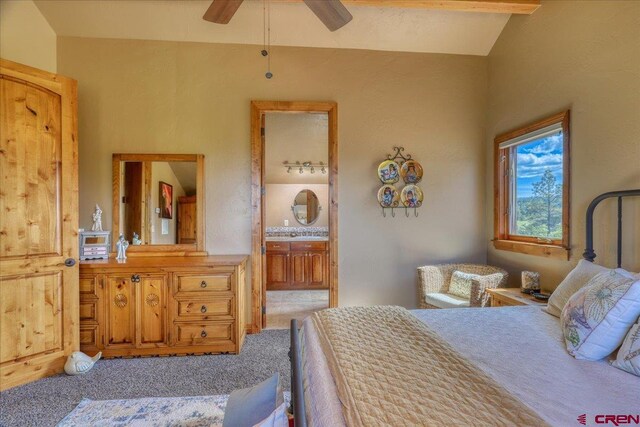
[(294, 199)]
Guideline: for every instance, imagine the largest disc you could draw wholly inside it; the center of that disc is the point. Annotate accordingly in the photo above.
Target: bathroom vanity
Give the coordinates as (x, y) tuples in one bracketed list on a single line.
[(297, 263)]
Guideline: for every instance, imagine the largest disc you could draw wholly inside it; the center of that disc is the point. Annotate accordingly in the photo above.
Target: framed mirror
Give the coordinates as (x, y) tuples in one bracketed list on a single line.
[(306, 207), (158, 202)]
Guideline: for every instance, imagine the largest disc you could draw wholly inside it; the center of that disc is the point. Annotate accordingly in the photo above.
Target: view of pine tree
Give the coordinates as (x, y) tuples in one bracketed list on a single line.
[(541, 214)]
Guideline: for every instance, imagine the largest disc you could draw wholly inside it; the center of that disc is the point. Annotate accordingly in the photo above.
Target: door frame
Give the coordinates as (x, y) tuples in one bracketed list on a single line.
[(258, 284)]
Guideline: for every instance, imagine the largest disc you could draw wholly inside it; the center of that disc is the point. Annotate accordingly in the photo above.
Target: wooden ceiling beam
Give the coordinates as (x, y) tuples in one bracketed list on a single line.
[(522, 7)]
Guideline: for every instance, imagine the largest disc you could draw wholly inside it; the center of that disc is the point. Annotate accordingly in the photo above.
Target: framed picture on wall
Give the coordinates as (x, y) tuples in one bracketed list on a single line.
[(166, 200)]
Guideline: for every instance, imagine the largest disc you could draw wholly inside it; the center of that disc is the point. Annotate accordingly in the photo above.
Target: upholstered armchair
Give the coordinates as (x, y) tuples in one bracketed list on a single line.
[(433, 285)]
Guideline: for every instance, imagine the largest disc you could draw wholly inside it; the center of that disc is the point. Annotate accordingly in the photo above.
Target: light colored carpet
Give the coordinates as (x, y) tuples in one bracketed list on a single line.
[(192, 411), (47, 401), (282, 306)]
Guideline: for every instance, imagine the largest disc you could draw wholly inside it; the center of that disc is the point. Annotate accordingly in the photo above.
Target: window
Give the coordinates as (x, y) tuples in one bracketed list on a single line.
[(532, 188)]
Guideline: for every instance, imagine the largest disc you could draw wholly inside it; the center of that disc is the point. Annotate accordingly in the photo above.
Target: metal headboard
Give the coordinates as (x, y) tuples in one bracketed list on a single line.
[(589, 254), (297, 391)]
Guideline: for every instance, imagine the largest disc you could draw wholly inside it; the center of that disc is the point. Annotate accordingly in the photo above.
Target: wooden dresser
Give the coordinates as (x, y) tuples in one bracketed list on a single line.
[(297, 265), (149, 306)]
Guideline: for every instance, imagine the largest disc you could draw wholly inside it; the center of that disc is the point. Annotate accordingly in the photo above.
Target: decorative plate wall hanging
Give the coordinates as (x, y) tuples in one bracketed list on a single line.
[(411, 196), (389, 172), (388, 196), (411, 172)]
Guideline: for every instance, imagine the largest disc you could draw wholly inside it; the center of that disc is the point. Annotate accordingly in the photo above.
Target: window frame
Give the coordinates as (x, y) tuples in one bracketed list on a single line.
[(503, 188)]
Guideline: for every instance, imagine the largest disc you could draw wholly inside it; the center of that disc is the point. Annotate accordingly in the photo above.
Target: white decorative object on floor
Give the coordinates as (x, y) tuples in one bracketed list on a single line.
[(97, 219), (79, 363), (122, 246)]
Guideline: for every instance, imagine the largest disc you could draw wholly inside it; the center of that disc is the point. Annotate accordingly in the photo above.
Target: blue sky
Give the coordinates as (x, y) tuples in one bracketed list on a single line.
[(534, 158)]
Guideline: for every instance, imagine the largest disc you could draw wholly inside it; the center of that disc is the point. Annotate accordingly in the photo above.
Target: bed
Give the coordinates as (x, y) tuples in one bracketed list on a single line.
[(514, 355)]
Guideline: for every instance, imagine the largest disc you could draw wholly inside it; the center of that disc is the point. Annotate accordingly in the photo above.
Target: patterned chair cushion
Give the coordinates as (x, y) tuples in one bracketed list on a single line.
[(460, 284), (446, 300), (628, 358), (576, 279), (596, 319)]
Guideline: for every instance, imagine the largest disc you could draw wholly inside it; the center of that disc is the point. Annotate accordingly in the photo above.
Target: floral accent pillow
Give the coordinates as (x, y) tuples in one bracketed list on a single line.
[(460, 284), (596, 318), (576, 279), (628, 358)]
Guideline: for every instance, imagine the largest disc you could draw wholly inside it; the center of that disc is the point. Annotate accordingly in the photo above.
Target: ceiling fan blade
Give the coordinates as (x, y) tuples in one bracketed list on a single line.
[(221, 11), (332, 13)]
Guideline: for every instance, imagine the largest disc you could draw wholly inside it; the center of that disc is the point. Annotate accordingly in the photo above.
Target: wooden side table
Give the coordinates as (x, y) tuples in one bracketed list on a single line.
[(504, 297)]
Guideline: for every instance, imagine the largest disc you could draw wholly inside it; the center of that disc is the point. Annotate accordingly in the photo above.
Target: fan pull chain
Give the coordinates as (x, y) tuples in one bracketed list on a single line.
[(268, 74)]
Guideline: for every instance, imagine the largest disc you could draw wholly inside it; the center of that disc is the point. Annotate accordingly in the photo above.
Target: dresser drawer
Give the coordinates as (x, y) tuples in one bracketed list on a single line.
[(88, 311), (308, 246), (206, 309), (88, 286), (204, 283), (278, 246), (204, 333)]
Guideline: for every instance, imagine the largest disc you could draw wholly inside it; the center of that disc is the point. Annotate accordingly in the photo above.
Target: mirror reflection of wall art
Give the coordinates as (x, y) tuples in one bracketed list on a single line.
[(388, 196), (166, 200), (411, 196), (388, 172), (411, 172), (306, 207)]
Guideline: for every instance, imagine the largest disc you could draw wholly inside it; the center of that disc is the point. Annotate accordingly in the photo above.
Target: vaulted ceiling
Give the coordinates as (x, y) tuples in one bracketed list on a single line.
[(412, 29)]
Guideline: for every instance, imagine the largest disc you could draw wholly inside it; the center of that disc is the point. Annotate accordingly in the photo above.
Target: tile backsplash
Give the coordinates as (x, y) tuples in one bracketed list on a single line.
[(300, 231)]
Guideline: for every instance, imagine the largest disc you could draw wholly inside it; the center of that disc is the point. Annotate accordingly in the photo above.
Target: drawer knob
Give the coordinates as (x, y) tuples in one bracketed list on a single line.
[(203, 309), (203, 284), (135, 278), (203, 334)]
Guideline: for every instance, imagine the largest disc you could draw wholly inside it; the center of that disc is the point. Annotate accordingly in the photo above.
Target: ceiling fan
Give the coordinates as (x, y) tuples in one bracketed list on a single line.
[(332, 13)]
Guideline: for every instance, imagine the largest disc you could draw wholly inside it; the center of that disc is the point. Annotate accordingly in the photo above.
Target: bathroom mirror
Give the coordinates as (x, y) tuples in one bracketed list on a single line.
[(157, 201), (306, 208)]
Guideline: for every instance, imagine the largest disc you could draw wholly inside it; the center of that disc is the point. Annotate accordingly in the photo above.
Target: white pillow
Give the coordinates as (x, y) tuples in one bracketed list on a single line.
[(576, 279), (460, 284), (596, 319), (628, 358)]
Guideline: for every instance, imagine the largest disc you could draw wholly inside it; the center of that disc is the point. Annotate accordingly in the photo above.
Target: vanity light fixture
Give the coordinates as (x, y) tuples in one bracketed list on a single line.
[(302, 166)]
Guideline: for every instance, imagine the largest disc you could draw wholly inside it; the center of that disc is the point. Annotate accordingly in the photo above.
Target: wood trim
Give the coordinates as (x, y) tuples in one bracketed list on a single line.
[(557, 248), (258, 108), (549, 251), (524, 7), (197, 249)]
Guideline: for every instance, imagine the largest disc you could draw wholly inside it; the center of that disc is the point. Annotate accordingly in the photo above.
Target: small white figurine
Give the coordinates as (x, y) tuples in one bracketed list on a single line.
[(122, 246), (97, 219), (79, 363), (136, 240)]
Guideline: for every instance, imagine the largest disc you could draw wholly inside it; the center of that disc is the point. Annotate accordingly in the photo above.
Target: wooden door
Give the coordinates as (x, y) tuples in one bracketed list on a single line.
[(317, 269), (39, 324), (120, 313), (298, 269), (133, 199), (186, 219), (151, 311), (277, 270)]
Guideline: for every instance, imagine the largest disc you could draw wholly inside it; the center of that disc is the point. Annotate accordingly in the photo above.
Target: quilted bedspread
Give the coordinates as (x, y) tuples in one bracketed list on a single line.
[(391, 369)]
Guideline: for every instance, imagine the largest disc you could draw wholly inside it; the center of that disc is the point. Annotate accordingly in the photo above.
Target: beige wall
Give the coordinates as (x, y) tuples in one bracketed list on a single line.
[(148, 96), (25, 35), (584, 56), (280, 198), (295, 138)]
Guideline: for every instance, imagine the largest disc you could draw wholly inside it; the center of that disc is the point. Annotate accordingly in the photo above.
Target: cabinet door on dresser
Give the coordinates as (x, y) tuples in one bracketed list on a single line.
[(151, 310), (120, 314), (317, 269)]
